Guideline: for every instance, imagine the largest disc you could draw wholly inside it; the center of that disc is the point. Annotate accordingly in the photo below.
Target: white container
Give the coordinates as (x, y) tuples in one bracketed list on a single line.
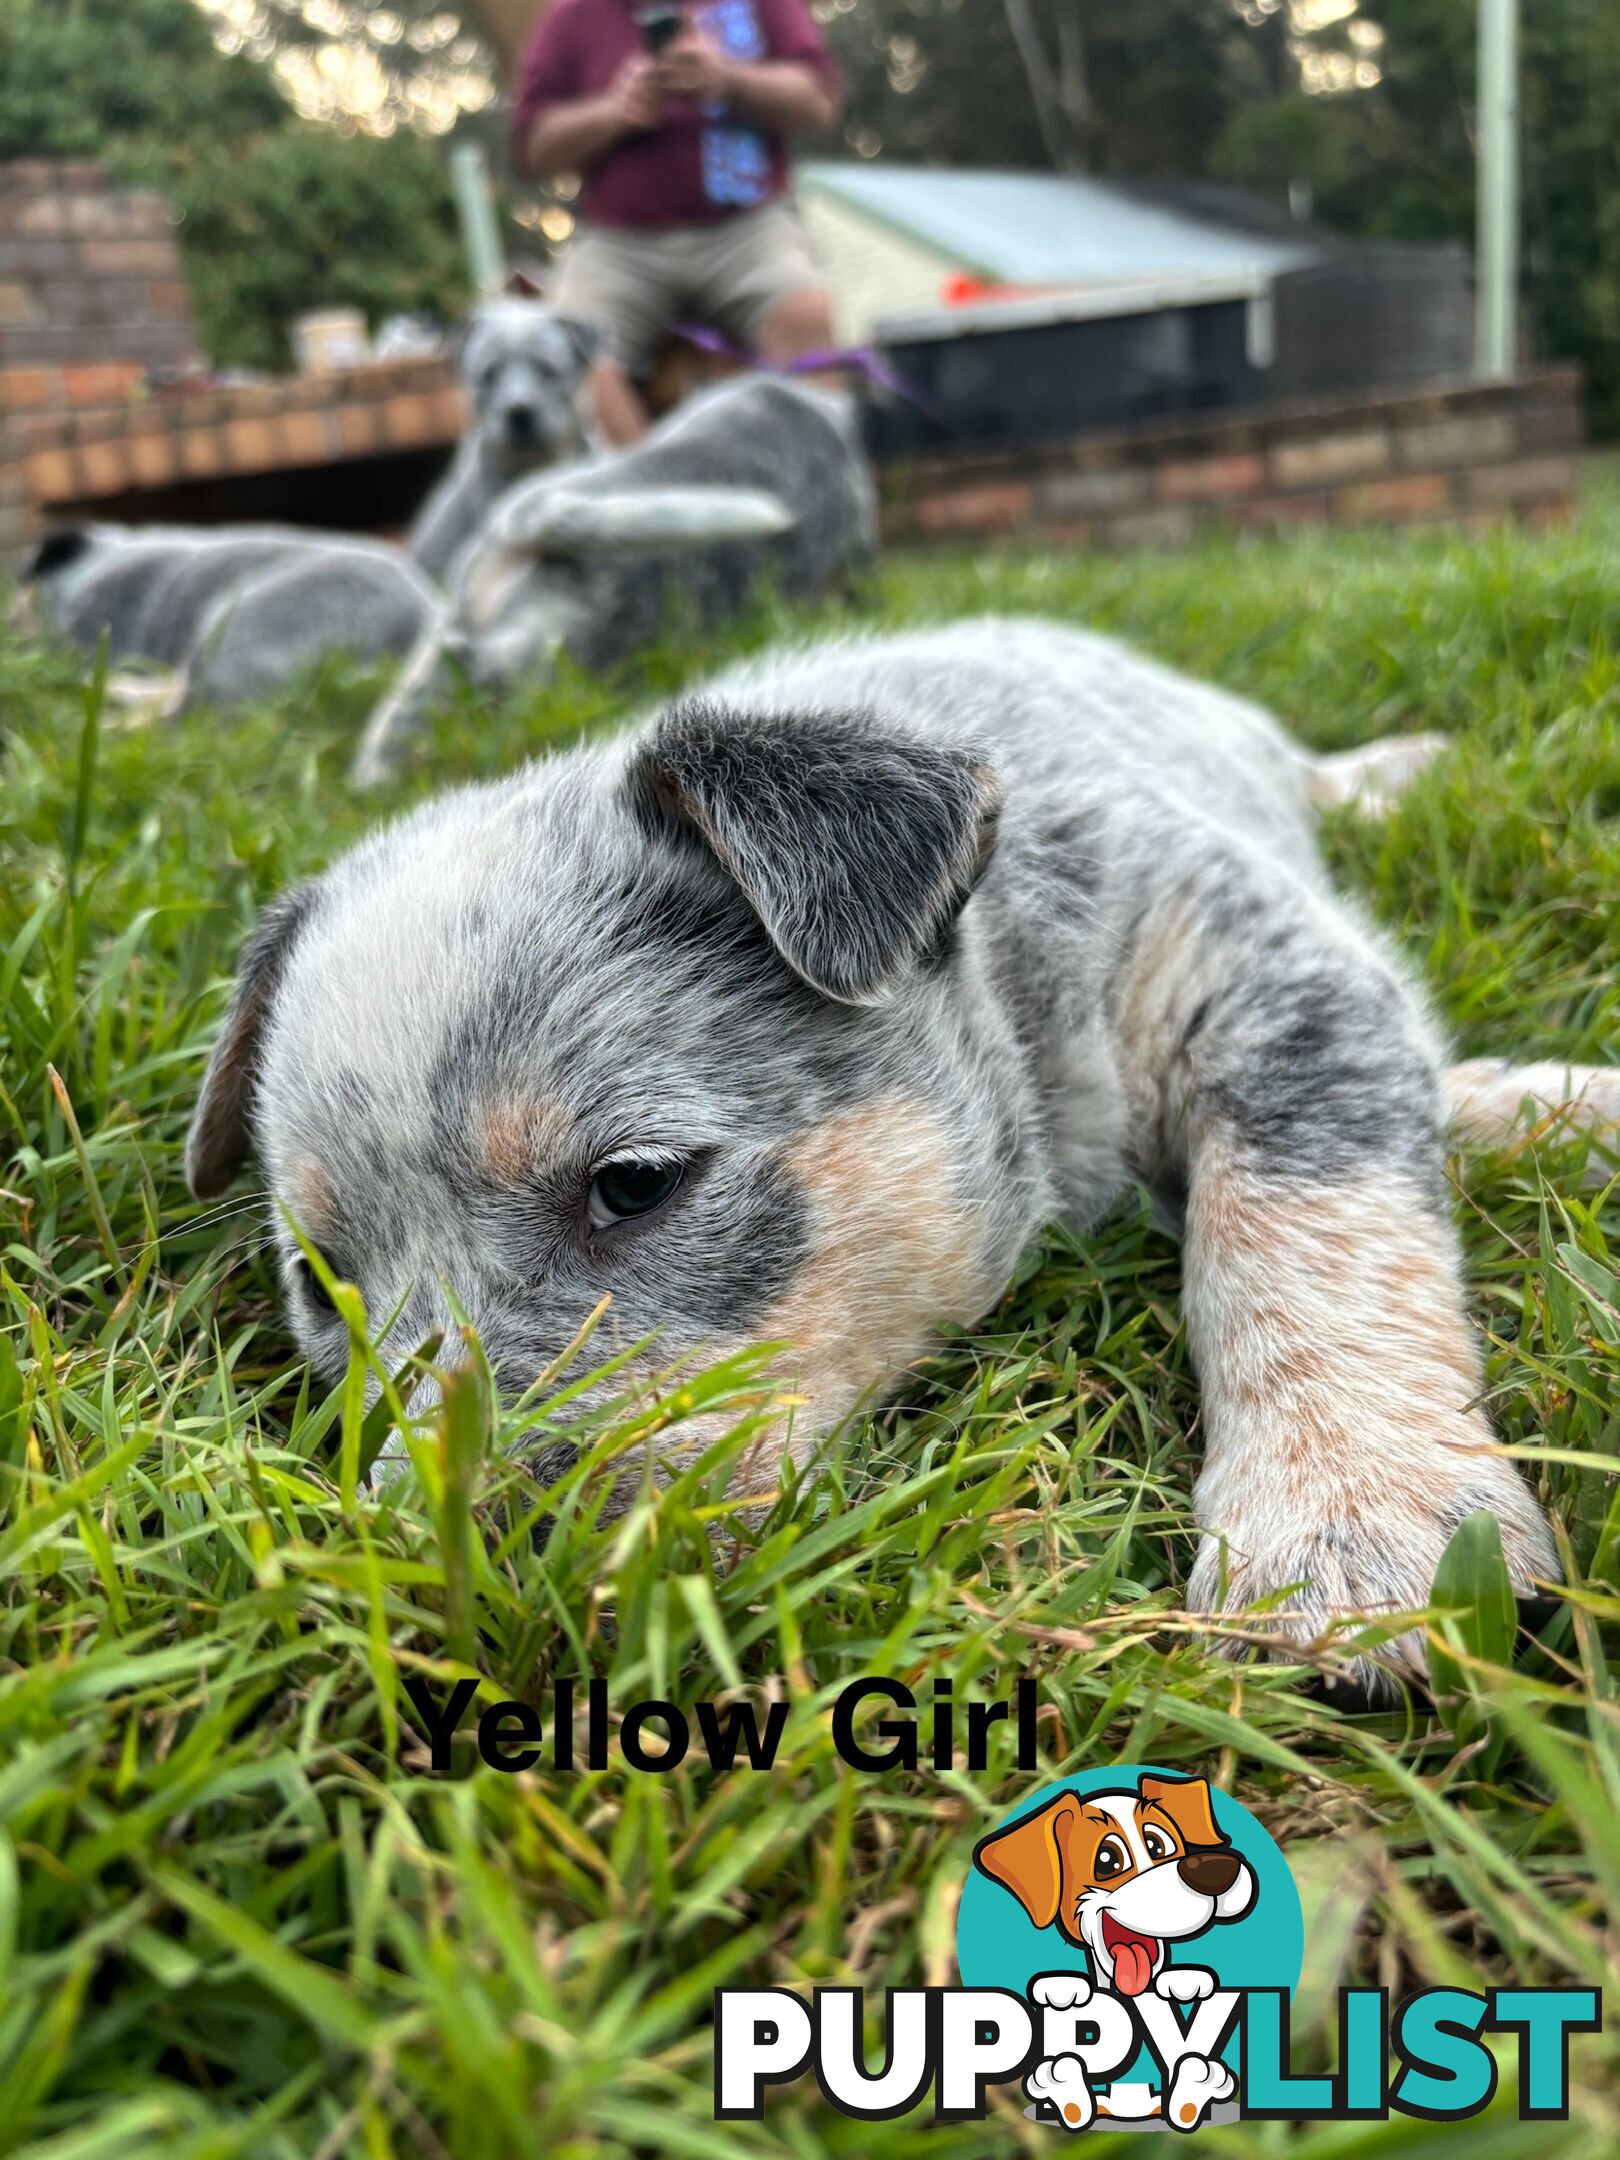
[(331, 339)]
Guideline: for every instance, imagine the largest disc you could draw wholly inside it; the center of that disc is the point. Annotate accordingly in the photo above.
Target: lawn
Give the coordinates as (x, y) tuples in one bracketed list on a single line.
[(239, 1911)]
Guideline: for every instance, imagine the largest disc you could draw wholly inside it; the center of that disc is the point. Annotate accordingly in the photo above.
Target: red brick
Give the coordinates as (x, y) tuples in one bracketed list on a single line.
[(129, 258), (250, 445), (170, 297), (984, 509), (1095, 493), (24, 389), (52, 476), (107, 384), (308, 438), (1459, 440), (1417, 495), (152, 460), (1170, 527), (1272, 513), (104, 468), (201, 451), (1212, 479), (359, 428), (409, 420), (1529, 480), (1320, 460)]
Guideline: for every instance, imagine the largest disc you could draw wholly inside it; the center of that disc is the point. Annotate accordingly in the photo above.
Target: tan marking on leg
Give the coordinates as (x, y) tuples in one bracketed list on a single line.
[(1339, 1373), (1169, 971), (515, 1133)]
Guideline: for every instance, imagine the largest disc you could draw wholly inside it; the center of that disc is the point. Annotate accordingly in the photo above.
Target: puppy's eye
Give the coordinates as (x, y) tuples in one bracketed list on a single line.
[(1158, 1845), (313, 1289), (634, 1185), (1112, 1859)]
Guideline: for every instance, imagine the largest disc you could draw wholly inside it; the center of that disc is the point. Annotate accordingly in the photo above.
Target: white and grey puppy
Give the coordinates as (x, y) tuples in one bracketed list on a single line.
[(237, 611), (524, 368), (795, 1012), (755, 481)]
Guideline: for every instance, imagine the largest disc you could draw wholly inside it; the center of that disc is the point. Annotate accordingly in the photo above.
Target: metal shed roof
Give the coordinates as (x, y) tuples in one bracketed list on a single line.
[(1050, 229)]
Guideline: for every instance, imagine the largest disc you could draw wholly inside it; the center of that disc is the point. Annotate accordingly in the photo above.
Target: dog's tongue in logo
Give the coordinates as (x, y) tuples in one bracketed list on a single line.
[(1134, 1956)]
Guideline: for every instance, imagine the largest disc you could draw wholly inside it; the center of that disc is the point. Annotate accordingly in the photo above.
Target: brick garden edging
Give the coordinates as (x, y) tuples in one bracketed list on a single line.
[(1458, 453)]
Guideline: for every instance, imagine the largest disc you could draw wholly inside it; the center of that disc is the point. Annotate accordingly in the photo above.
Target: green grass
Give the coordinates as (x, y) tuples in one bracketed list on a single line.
[(239, 1914)]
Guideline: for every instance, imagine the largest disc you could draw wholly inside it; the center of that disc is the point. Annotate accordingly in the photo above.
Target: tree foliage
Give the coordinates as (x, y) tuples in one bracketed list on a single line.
[(277, 216)]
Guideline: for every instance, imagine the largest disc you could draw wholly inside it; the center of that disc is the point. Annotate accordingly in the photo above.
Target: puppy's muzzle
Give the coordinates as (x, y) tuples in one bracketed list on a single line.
[(1209, 1873), (523, 427)]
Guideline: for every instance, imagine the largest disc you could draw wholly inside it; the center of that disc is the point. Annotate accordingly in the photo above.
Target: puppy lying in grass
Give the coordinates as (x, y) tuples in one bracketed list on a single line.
[(791, 1015), (757, 482)]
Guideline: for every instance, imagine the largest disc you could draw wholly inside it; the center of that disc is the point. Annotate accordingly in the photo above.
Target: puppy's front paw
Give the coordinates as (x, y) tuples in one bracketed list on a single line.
[(1061, 2082), (1362, 1552), (1196, 2086), (1184, 1984), (1061, 1991)]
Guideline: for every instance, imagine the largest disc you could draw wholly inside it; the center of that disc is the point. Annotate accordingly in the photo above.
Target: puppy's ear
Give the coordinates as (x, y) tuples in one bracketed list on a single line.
[(221, 1126), (856, 850), (56, 551), (1027, 1858), (1186, 1801)]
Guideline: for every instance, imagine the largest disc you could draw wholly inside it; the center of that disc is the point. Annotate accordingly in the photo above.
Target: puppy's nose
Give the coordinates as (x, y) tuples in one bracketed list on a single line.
[(1209, 1873), (523, 425)]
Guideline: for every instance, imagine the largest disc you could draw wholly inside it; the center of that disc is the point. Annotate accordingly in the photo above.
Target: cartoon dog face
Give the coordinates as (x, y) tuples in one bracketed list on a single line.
[(1123, 1874), (523, 365)]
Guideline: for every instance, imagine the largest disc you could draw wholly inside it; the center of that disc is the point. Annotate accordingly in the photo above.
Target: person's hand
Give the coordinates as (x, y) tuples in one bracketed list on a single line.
[(636, 98), (693, 68)]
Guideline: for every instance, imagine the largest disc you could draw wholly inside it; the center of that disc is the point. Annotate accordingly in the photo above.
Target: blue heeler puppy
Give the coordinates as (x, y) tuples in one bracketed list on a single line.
[(524, 368), (756, 482), (235, 611), (792, 1014)]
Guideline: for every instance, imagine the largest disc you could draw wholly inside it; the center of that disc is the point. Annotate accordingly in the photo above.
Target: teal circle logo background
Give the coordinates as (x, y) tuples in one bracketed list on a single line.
[(998, 1945)]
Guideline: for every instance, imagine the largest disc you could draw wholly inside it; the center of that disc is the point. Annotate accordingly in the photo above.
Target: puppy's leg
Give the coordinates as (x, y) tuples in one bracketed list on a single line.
[(400, 714), (1373, 778), (1493, 1104), (1284, 1074)]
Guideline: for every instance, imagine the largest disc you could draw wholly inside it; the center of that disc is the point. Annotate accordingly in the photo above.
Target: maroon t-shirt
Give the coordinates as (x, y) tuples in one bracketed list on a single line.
[(700, 165)]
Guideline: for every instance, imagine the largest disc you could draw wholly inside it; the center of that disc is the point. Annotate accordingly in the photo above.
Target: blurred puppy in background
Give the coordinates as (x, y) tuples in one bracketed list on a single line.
[(524, 368)]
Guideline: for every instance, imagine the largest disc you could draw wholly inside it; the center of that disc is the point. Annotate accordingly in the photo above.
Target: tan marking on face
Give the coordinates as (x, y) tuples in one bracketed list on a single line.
[(515, 1133), (893, 1252), (313, 1201)]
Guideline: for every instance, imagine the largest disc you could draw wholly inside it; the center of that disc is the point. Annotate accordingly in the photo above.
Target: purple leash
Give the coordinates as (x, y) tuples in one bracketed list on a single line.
[(862, 360)]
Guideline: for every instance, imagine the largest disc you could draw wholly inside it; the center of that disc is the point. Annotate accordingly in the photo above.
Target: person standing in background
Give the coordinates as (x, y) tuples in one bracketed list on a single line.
[(678, 118)]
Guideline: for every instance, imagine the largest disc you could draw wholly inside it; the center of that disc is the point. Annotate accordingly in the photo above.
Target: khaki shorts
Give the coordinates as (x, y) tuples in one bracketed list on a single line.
[(634, 287)]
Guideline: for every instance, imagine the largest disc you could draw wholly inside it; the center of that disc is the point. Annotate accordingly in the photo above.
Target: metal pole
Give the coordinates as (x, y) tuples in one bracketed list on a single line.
[(480, 234), (1497, 264)]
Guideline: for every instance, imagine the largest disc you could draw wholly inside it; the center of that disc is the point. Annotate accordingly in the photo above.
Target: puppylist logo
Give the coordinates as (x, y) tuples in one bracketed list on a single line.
[(1129, 1942)]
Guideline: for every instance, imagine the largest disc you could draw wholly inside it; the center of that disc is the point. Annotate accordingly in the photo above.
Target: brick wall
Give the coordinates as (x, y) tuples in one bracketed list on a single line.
[(94, 308), (92, 297), (1460, 453)]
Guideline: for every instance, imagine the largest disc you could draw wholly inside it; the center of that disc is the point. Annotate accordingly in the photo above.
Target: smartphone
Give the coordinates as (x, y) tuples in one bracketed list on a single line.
[(659, 24)]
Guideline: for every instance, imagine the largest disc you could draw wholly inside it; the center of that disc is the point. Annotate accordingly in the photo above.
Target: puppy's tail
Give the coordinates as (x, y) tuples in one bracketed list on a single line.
[(1375, 777), (1492, 1104), (388, 732)]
